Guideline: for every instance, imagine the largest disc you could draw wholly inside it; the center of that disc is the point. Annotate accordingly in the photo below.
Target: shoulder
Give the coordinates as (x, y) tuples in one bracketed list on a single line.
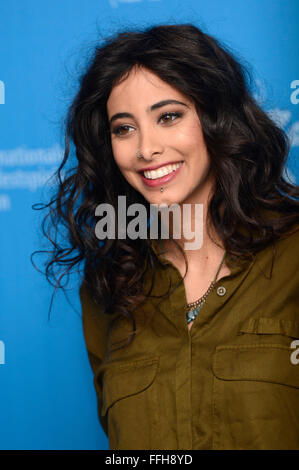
[(287, 248), (287, 245), (279, 263), (276, 267), (271, 287)]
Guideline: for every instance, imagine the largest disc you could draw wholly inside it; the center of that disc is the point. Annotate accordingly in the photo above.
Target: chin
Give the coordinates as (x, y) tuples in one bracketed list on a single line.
[(169, 200)]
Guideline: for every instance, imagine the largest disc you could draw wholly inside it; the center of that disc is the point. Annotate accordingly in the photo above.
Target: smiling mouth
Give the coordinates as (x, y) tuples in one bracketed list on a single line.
[(162, 171)]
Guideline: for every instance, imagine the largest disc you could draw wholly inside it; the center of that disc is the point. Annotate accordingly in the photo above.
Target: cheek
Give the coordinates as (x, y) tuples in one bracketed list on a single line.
[(125, 166), (119, 156), (123, 155), (189, 139)]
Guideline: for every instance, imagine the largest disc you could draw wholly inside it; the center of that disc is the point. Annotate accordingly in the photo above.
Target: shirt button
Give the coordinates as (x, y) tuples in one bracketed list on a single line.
[(221, 291)]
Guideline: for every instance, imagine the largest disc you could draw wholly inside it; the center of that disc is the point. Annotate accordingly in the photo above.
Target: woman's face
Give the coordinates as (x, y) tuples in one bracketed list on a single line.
[(164, 133)]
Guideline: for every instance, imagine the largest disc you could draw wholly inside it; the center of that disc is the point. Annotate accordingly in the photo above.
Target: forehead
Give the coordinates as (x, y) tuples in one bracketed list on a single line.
[(141, 87)]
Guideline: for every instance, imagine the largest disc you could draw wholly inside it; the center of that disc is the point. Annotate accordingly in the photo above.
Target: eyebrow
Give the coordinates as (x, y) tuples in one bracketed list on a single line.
[(149, 109)]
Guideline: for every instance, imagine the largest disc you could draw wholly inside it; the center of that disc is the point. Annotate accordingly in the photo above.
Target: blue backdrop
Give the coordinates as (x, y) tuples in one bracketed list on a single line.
[(47, 398)]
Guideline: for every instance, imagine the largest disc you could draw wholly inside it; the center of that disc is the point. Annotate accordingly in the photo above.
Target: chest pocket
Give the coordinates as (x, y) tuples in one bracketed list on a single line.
[(130, 401), (270, 326), (256, 387)]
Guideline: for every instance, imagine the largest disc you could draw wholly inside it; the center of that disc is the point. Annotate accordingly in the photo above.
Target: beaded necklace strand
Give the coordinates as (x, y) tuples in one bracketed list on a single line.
[(194, 307)]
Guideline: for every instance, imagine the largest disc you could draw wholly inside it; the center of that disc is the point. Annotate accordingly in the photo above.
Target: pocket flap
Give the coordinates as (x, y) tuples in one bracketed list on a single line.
[(259, 362), (126, 379), (271, 326)]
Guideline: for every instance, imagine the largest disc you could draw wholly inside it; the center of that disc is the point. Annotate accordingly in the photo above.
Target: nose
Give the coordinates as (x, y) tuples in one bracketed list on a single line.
[(150, 143)]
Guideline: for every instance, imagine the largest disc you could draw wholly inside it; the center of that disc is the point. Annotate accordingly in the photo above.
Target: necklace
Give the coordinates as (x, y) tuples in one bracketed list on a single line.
[(194, 307)]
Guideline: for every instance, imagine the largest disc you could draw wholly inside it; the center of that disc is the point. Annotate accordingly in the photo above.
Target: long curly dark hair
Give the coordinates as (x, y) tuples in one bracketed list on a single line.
[(248, 153)]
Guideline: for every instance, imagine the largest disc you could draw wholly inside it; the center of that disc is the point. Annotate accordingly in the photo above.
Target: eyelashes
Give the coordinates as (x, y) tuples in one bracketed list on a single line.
[(118, 131)]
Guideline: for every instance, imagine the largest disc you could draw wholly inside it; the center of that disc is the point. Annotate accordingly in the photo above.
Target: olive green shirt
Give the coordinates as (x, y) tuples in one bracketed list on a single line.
[(231, 382)]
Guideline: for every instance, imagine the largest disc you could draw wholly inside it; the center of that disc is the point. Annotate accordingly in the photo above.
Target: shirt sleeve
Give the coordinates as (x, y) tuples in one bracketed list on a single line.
[(95, 340)]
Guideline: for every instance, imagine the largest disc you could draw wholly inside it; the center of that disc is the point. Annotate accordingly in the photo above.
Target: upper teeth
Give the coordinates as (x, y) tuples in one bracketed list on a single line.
[(165, 170)]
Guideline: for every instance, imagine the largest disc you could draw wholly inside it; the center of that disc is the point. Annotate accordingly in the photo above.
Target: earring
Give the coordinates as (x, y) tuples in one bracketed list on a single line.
[(138, 154), (161, 189)]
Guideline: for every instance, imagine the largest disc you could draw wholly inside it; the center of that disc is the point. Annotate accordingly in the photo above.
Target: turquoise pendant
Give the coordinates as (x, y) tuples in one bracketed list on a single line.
[(192, 314)]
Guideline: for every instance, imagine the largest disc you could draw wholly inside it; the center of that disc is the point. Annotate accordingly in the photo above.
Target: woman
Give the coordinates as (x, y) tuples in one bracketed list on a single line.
[(190, 348)]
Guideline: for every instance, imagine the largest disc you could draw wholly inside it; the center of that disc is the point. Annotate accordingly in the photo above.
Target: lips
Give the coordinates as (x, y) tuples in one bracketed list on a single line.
[(155, 167), (164, 179)]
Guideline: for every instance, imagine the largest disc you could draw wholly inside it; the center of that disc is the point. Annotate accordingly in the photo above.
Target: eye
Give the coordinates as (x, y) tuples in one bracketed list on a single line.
[(173, 116), (121, 131)]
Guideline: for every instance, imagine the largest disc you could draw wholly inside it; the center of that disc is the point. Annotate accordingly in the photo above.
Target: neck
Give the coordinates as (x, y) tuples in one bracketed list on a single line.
[(197, 236)]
